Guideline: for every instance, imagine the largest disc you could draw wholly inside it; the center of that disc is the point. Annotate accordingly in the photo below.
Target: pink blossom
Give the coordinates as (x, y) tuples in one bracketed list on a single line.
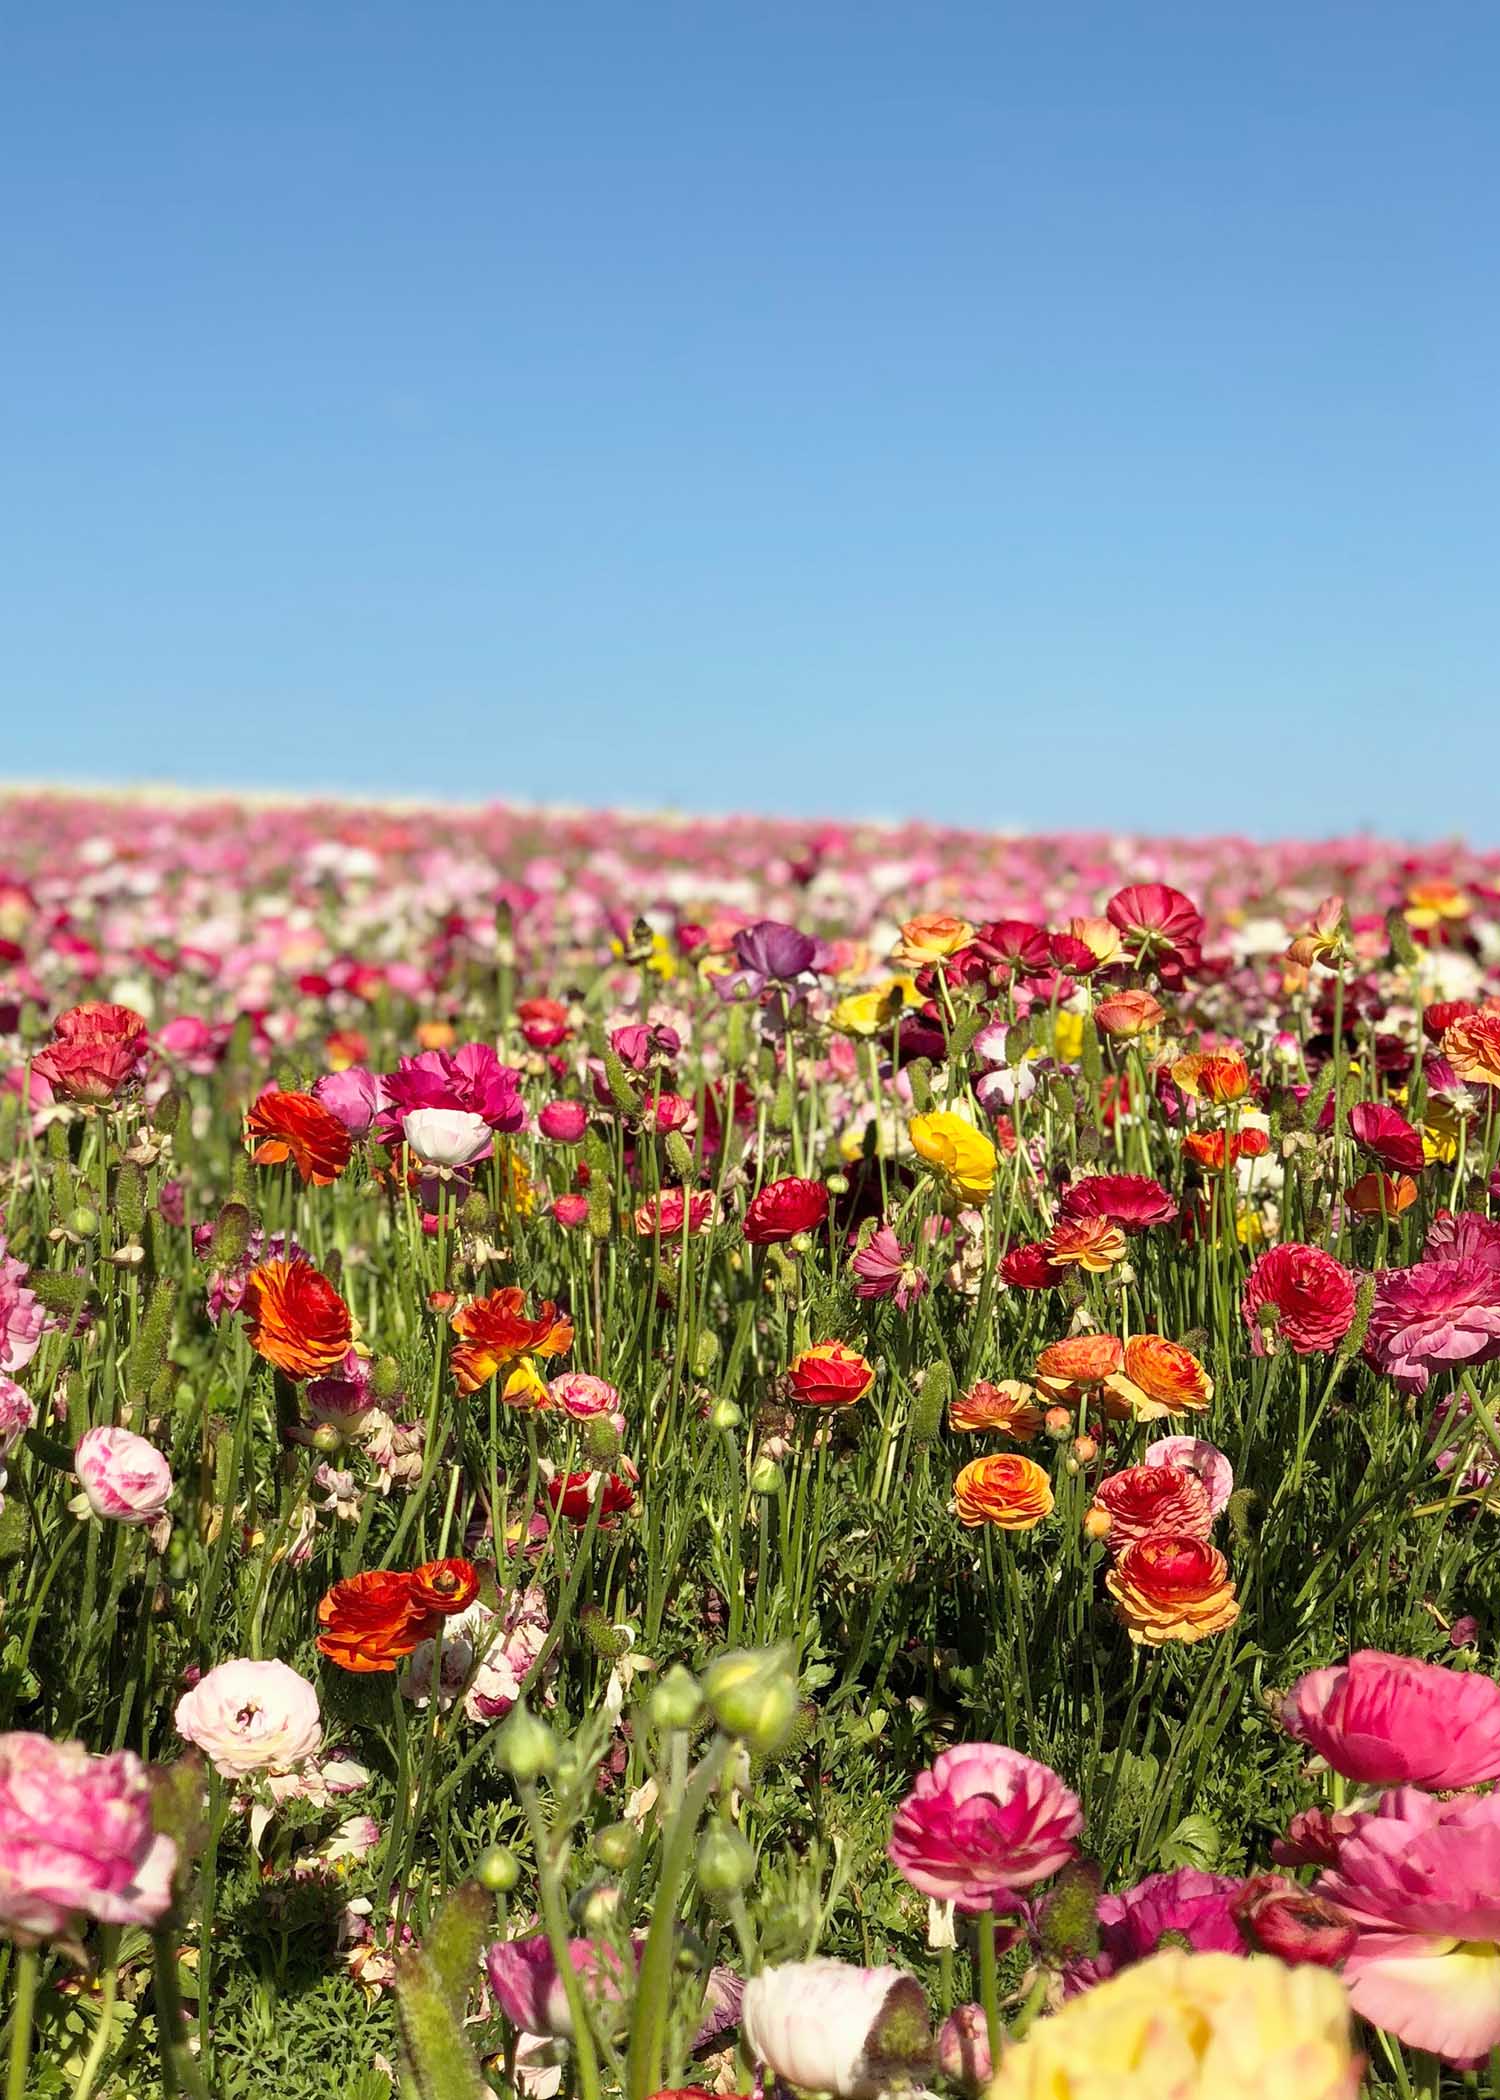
[(564, 1122), (981, 1823), (583, 1396), (471, 1078), (124, 1478), (21, 1316), (17, 1415), (884, 1269), (1434, 1314), (77, 1840), (1197, 1908), (529, 1989), (1297, 1295), (251, 1717), (1194, 1454), (1390, 1720), (832, 2027), (354, 1095)]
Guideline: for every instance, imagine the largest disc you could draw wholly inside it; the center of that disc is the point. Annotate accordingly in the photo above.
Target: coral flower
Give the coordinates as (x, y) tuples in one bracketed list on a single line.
[(497, 1330), (1095, 1244), (297, 1320), (1124, 1016), (1079, 1361), (1008, 1408), (371, 1621), (1146, 1499), (1420, 1880), (1160, 1378), (1298, 1295), (931, 937), (299, 1128), (1389, 1139), (1381, 1195), (1132, 1201), (1433, 1315), (1003, 1489), (963, 1155), (444, 1586), (1172, 1587), (1472, 1046), (1390, 1720), (667, 1212), (1211, 1150), (982, 1823), (829, 1375), (96, 1049), (1184, 2026), (784, 1208)]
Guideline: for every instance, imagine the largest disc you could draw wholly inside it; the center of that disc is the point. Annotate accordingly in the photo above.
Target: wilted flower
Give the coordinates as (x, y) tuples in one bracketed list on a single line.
[(1009, 1408)]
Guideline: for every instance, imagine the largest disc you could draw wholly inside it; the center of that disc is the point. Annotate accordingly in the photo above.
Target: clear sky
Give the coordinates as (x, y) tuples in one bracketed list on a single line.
[(1025, 414)]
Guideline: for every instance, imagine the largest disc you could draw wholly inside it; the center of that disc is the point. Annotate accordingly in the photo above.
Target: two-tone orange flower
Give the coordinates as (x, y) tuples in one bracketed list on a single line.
[(497, 1330), (1068, 1368), (1212, 1149), (1472, 1046), (297, 1320), (1223, 1080), (444, 1586), (371, 1621), (1377, 1195), (1172, 1587), (299, 1128), (1125, 1016), (1159, 1378), (829, 1375), (1004, 1489), (1094, 1244), (1006, 1409)]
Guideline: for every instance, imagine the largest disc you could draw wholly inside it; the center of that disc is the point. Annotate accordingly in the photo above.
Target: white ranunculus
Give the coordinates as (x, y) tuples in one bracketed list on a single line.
[(837, 2028), (445, 1137), (251, 1717)]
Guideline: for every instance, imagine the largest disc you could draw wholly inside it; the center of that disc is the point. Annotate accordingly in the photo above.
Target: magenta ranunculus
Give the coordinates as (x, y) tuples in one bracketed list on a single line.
[(1197, 1908), (1389, 1720), (1434, 1314), (564, 1122), (529, 1989), (1420, 1881), (983, 1822), (1297, 1295), (123, 1477), (354, 1095), (17, 1414), (471, 1078), (77, 1840)]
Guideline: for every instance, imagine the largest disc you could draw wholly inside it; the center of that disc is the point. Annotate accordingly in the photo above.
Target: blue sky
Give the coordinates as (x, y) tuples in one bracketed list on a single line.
[(1012, 414)]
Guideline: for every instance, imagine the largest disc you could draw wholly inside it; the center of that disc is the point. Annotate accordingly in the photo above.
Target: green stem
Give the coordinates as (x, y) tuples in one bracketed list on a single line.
[(653, 1988), (104, 2032), (21, 2020), (989, 1985)]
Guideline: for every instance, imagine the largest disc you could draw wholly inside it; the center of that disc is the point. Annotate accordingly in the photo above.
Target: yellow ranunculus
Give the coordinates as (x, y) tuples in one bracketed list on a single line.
[(963, 1155), (870, 1012), (1182, 2026), (1067, 1037)]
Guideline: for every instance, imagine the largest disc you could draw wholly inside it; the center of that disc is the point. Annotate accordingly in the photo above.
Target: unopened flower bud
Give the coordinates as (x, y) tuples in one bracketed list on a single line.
[(725, 1415), (83, 1223), (726, 1861), (1058, 1423), (598, 1908), (752, 1694), (1096, 1522), (385, 1378), (1085, 1448), (326, 1438), (677, 1700), (497, 1870), (766, 1478), (526, 1746), (616, 1845)]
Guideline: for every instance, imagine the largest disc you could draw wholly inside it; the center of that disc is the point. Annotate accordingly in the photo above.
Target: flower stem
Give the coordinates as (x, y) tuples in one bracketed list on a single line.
[(21, 2021), (989, 1986)]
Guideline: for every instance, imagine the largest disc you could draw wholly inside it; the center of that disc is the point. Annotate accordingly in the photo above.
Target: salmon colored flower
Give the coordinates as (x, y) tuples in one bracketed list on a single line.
[(1124, 1016), (1007, 1409), (1298, 1295), (930, 938), (1095, 1244), (1160, 1378), (496, 1330), (371, 1621), (1210, 1149), (1004, 1489), (297, 1320), (1171, 1586), (666, 1213), (1079, 1361), (829, 1375), (444, 1586), (963, 1155), (299, 1128), (1381, 1195), (1144, 1500), (1472, 1046), (96, 1049)]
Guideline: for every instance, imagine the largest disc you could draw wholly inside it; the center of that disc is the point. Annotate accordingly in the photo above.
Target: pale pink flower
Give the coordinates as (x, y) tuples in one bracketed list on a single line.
[(17, 1415), (124, 1479), (1390, 1720), (355, 1096), (22, 1318), (251, 1717), (77, 1840), (981, 1823), (1195, 1455), (529, 1989), (830, 2027), (583, 1397)]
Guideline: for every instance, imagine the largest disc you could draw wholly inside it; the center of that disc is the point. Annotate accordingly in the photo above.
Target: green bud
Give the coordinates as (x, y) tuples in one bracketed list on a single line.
[(705, 1352), (1090, 1056), (617, 1844), (598, 1908), (231, 1240), (1070, 1919), (62, 1295), (621, 1089), (83, 1223), (838, 1184), (497, 1870), (766, 1478), (931, 1404), (167, 1112), (680, 1156), (326, 1438), (676, 1701), (919, 1072), (726, 1861), (474, 1213), (1398, 933), (1242, 1511), (603, 1636), (752, 1694), (526, 1748), (724, 1415), (385, 1379), (601, 1440)]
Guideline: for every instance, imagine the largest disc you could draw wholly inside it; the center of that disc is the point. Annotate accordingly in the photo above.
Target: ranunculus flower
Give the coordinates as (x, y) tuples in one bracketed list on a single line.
[(251, 1717), (1027, 1267), (883, 1268), (1094, 1244), (930, 937), (298, 1127), (17, 1415), (1171, 1587), (1420, 1880), (22, 1317), (575, 1494), (1186, 2026), (830, 2027), (1281, 1917), (1472, 1046), (1008, 1408), (1145, 1499), (964, 1156), (1298, 1295), (1160, 1378), (784, 1208), (665, 1214), (124, 1478), (1159, 924), (982, 1823), (771, 952), (1124, 1016), (354, 1095), (544, 1023), (1198, 1909), (371, 1620), (583, 1396), (96, 1049), (1194, 1454), (77, 1841), (1079, 1361), (297, 1320), (444, 1586), (446, 1137), (1390, 1720), (529, 1991), (471, 1078), (828, 1375), (1432, 1315), (1381, 1195), (565, 1122), (1388, 1138), (964, 2049), (494, 1331), (1004, 1489), (1132, 1201)]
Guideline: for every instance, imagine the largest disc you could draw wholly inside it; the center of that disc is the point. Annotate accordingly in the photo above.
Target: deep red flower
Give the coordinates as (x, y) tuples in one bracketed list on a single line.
[(575, 1493), (1388, 1138), (1298, 1295), (1029, 1267), (1280, 1917), (784, 1208)]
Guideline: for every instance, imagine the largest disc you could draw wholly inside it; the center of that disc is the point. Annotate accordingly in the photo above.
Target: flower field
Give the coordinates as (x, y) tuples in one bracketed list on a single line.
[(649, 1456)]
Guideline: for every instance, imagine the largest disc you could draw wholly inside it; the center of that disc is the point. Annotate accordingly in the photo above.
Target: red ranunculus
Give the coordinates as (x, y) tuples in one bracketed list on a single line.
[(1298, 1295), (785, 1208)]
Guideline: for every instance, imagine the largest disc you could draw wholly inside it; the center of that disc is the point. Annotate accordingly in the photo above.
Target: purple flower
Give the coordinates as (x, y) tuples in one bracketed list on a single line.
[(771, 952), (884, 1269)]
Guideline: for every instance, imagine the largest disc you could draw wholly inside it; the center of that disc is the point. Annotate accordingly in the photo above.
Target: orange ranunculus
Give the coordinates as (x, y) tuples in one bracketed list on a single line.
[(436, 1035), (1126, 1015), (1008, 1408), (1095, 1244), (1223, 1079), (1172, 1587), (1471, 1045), (1375, 1194), (1208, 1149), (1079, 1360), (444, 1586), (298, 1127), (371, 1621), (1004, 1489), (829, 1375), (297, 1320), (1428, 904), (931, 937), (497, 1330), (1160, 1378)]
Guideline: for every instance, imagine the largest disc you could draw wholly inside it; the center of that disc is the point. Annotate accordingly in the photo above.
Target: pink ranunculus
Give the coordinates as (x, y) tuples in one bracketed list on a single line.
[(17, 1415), (1463, 1235), (1387, 1136), (884, 1269), (964, 2049), (470, 1078), (189, 1041), (528, 1986), (1195, 1907), (1195, 1455), (570, 1211), (77, 1840), (1390, 1720), (355, 1095), (1420, 1881), (22, 1318), (564, 1122), (582, 1395), (1432, 1315), (1298, 1295), (123, 1477), (251, 1717), (981, 1823)]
